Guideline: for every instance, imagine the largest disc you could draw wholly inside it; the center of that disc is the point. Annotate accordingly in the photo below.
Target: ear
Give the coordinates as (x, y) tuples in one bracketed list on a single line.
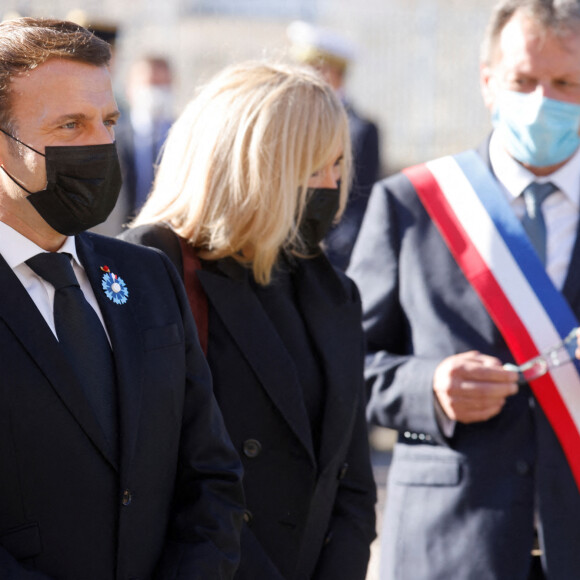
[(487, 84)]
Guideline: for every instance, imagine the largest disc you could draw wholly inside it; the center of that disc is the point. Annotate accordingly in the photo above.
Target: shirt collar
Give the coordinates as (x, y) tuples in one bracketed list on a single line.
[(515, 177), (16, 248)]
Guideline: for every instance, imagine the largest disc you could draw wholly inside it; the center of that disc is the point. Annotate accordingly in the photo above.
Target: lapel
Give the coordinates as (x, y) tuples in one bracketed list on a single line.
[(229, 292), (571, 288), (124, 333), (23, 318), (334, 323)]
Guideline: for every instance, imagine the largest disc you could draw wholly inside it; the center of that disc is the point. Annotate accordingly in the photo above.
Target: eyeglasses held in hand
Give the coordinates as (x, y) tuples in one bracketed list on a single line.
[(560, 354)]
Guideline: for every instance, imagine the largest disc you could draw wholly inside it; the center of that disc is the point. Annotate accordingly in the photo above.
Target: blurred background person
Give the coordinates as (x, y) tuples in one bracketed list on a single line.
[(331, 54), (253, 173), (147, 115), (140, 138)]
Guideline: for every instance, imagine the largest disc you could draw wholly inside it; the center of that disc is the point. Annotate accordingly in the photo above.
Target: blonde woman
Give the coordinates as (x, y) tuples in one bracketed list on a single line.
[(253, 174)]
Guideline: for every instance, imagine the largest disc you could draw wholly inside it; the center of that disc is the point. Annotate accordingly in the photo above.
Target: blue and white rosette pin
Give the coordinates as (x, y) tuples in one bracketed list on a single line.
[(114, 287)]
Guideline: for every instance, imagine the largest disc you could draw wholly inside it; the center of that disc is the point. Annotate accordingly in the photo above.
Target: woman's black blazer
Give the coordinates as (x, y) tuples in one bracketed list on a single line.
[(309, 515)]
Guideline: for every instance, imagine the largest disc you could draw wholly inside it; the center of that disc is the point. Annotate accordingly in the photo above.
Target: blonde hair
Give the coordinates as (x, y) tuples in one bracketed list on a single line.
[(234, 173)]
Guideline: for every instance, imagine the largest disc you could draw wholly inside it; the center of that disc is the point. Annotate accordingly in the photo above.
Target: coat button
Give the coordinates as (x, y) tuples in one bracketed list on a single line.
[(252, 448), (127, 498), (343, 471), (522, 467), (248, 516), (328, 538)]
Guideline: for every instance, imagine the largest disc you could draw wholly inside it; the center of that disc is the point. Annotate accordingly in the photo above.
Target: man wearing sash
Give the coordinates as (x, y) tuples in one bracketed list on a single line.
[(464, 264)]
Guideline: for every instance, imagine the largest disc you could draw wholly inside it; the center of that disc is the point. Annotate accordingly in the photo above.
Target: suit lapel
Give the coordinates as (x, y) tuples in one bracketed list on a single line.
[(259, 342), (25, 321), (334, 323), (120, 320), (571, 288)]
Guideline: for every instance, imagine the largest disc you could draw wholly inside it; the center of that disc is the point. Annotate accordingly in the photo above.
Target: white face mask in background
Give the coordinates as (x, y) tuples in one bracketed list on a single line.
[(153, 102)]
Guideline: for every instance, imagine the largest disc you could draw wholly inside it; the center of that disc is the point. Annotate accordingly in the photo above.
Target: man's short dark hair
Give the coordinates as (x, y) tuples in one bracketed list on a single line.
[(26, 43)]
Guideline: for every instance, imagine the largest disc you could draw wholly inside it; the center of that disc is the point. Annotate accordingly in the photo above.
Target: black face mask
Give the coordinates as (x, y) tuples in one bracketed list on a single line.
[(321, 207), (83, 184)]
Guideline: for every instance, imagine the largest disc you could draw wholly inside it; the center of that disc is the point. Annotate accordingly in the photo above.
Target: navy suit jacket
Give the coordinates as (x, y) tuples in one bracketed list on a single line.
[(172, 506), (459, 507), (310, 513)]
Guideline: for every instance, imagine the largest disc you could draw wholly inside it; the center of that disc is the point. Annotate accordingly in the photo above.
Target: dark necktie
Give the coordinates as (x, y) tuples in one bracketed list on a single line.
[(82, 338), (533, 220)]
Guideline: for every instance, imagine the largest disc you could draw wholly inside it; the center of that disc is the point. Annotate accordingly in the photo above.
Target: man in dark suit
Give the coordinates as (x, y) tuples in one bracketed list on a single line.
[(331, 54), (480, 485), (115, 460)]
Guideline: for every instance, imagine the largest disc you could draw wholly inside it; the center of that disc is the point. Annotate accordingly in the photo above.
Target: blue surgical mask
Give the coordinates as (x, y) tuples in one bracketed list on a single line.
[(536, 130)]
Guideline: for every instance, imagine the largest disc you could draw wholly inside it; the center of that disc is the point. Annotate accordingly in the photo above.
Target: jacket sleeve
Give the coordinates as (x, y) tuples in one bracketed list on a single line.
[(203, 536), (400, 384)]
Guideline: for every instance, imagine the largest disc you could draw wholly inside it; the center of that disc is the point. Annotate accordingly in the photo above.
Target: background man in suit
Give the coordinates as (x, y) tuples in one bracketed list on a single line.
[(477, 463), (331, 54), (150, 116), (140, 135), (115, 460)]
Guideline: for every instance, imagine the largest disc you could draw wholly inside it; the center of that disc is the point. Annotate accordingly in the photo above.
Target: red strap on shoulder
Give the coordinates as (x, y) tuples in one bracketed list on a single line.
[(195, 293)]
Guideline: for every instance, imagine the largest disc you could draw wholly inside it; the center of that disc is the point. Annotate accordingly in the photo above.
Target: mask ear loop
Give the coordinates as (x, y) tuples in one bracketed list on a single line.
[(21, 142), (4, 169), (15, 180)]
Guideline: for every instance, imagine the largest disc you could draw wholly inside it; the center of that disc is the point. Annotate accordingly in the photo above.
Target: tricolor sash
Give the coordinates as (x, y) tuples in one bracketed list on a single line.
[(488, 242)]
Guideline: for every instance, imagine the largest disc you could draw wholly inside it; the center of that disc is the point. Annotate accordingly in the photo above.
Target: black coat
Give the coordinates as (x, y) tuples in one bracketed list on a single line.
[(172, 506), (309, 515)]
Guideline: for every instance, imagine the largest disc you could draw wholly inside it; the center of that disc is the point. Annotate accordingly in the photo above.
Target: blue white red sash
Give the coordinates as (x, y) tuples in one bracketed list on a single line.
[(489, 244)]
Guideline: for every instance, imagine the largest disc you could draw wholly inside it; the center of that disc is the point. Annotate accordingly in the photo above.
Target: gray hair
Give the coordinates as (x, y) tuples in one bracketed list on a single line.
[(559, 16)]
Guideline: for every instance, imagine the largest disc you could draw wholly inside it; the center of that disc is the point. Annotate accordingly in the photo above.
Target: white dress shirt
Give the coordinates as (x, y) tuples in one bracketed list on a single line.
[(560, 208), (16, 249)]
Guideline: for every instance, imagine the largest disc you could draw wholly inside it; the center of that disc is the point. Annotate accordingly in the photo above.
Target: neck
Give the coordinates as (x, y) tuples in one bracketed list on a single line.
[(22, 217), (543, 171)]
